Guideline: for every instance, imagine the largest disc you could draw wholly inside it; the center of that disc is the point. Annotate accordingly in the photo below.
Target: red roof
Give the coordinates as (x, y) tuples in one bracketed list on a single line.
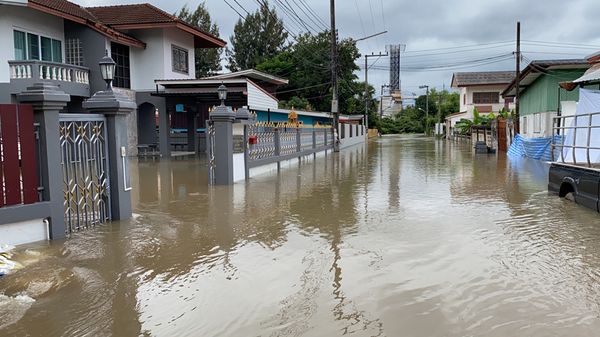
[(66, 7), (141, 16), (109, 20), (76, 13)]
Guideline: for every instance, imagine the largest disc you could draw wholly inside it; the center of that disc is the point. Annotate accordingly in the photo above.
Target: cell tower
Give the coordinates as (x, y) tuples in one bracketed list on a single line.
[(394, 51)]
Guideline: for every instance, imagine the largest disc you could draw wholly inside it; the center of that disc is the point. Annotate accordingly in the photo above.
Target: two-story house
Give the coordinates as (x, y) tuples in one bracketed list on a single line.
[(479, 90), (62, 42), (541, 95)]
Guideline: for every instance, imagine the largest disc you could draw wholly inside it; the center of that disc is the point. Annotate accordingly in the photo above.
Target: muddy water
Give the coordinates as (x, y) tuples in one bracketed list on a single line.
[(408, 237)]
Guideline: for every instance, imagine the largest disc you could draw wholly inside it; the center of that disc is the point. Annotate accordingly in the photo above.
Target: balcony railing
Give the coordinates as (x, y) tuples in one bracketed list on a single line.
[(48, 71), (72, 79)]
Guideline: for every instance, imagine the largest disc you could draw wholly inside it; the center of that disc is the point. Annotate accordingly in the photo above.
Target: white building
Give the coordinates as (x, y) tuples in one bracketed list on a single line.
[(479, 90)]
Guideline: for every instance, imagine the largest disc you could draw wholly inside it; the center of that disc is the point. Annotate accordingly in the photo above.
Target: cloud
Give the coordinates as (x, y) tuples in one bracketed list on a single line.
[(431, 24)]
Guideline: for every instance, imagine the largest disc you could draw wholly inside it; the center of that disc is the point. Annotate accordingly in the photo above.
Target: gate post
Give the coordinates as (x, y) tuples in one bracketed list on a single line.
[(47, 101), (223, 118), (116, 108)]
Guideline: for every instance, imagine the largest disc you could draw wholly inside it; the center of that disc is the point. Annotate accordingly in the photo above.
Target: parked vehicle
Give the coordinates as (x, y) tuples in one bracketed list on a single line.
[(580, 184), (575, 170)]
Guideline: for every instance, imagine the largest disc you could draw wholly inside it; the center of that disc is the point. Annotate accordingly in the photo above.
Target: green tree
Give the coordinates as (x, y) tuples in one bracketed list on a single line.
[(207, 60), (260, 36), (307, 65)]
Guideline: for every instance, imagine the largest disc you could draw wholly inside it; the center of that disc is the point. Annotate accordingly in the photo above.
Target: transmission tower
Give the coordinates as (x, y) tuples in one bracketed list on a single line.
[(394, 51)]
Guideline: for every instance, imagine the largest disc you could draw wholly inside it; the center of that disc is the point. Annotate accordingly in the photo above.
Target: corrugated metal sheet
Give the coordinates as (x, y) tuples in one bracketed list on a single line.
[(258, 99), (593, 74), (542, 95)]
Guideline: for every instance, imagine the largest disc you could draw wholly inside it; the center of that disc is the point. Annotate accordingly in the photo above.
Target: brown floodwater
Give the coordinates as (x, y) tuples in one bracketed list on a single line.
[(406, 237)]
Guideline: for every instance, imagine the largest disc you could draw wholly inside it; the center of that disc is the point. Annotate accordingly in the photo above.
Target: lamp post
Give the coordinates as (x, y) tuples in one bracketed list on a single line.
[(426, 108), (107, 70), (222, 90)]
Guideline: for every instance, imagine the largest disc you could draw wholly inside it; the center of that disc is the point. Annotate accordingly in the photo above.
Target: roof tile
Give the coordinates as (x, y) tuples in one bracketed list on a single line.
[(482, 78)]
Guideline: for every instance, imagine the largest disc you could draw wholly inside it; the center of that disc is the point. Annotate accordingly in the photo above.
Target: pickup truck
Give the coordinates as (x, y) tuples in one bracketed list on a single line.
[(580, 184)]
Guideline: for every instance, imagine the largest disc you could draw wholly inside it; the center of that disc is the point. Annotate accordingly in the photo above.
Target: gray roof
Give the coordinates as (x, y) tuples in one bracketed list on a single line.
[(482, 78), (539, 68)]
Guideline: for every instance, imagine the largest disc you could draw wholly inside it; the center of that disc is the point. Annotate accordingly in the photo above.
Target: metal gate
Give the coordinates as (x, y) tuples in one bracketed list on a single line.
[(210, 146), (84, 163)]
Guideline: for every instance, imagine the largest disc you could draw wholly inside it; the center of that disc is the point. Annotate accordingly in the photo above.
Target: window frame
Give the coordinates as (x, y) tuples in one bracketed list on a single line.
[(31, 37), (121, 54), (537, 122), (181, 51), (489, 97)]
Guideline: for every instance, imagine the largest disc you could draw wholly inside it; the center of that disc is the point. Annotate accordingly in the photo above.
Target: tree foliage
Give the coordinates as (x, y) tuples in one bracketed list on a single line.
[(413, 119), (207, 60), (258, 37), (307, 63)]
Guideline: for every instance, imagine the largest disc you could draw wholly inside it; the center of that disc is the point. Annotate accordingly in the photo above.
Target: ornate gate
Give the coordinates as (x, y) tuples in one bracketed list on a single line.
[(210, 145), (84, 164)]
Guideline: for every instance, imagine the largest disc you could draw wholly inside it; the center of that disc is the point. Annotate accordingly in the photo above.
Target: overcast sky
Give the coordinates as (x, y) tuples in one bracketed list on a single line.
[(435, 24)]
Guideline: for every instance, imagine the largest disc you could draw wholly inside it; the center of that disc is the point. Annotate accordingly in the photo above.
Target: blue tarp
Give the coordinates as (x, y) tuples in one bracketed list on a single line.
[(534, 148)]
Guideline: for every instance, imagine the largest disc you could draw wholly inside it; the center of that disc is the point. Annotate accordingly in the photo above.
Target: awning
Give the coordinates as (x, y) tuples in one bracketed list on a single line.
[(592, 74)]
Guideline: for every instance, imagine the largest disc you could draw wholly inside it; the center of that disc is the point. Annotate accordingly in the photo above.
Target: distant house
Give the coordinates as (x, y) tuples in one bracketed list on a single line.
[(541, 96), (479, 90)]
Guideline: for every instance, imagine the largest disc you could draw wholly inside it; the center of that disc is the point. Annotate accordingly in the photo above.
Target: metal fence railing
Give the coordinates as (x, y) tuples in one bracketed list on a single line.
[(268, 143), (573, 139)]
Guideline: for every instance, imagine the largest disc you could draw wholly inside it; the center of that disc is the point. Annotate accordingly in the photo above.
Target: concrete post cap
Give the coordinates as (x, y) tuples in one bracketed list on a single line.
[(44, 94), (109, 102), (222, 113)]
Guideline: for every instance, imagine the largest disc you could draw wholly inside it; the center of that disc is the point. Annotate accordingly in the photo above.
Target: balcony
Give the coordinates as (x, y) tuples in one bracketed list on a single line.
[(73, 80)]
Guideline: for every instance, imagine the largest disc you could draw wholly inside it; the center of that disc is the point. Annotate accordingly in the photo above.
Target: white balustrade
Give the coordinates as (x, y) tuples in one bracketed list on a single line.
[(20, 71), (48, 71)]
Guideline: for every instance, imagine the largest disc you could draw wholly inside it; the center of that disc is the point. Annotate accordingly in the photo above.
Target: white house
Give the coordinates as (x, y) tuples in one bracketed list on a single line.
[(479, 90)]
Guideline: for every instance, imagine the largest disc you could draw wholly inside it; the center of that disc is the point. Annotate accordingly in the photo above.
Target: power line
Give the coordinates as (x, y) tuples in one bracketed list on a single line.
[(242, 7), (312, 17), (235, 10), (300, 89)]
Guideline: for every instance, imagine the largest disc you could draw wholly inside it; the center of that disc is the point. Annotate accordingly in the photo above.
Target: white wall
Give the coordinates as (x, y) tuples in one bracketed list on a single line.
[(146, 64), (28, 20), (546, 121), (181, 39), (357, 138), (258, 99), (469, 107), (23, 232), (154, 62)]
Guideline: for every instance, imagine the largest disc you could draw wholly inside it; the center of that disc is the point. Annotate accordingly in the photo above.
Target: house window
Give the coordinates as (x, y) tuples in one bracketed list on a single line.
[(537, 123), (486, 97), (20, 45), (179, 59), (74, 52), (120, 54), (34, 47), (524, 126)]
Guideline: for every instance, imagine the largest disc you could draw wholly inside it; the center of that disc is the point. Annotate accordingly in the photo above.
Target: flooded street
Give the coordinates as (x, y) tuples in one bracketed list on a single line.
[(408, 237)]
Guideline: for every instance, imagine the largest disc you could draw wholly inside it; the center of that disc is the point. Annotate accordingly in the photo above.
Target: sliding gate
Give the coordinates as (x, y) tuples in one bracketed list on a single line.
[(84, 163)]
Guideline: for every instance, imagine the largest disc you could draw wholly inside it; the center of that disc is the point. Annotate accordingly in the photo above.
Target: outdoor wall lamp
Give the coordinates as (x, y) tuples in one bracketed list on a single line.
[(222, 90), (107, 69)]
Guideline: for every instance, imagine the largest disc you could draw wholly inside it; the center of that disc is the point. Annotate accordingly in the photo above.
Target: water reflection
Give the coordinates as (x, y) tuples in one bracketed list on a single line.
[(408, 236)]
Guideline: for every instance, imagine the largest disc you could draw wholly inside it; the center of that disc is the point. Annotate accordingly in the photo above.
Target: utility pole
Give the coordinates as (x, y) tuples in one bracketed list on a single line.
[(439, 112), (518, 78), (334, 84), (426, 108), (366, 114)]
